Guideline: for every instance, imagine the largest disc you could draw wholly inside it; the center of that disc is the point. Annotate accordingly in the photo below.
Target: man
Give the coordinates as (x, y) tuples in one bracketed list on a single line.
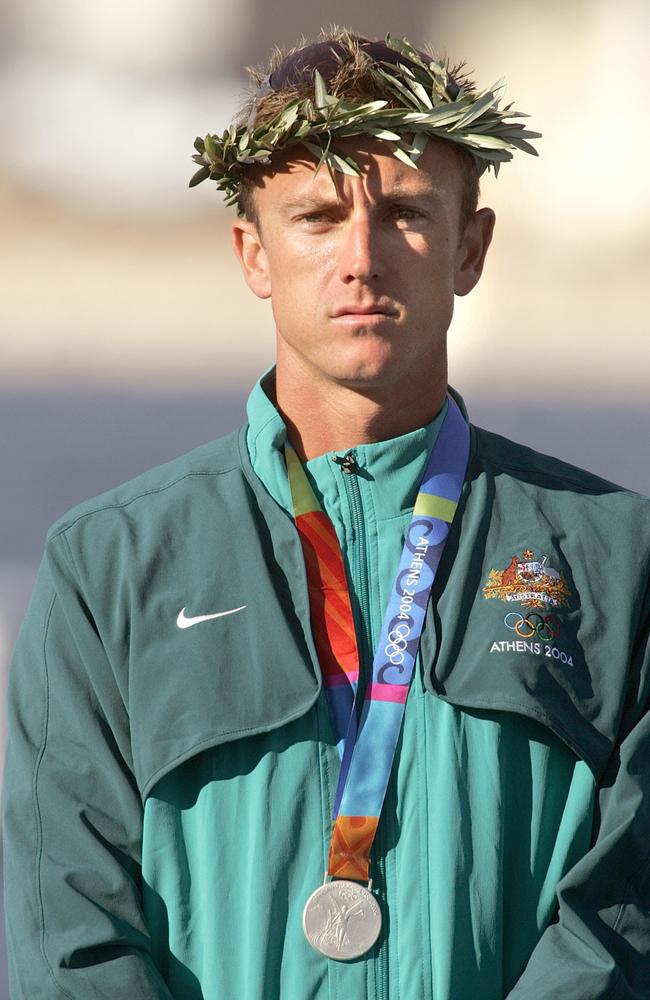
[(351, 702)]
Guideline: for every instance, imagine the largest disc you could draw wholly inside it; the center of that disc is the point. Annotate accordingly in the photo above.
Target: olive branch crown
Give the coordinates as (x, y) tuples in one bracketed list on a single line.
[(432, 103)]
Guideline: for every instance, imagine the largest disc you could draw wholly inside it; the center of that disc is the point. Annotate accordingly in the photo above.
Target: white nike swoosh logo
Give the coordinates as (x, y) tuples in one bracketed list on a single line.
[(184, 622)]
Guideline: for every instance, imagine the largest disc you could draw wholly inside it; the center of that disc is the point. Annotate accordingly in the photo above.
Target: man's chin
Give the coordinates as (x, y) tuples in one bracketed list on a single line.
[(364, 361), (366, 376)]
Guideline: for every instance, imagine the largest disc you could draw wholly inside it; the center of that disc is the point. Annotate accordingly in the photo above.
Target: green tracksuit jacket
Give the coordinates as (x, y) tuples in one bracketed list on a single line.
[(168, 791)]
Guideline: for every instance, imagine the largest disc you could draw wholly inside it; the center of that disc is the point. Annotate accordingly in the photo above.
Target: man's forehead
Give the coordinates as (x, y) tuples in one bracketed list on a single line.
[(297, 184)]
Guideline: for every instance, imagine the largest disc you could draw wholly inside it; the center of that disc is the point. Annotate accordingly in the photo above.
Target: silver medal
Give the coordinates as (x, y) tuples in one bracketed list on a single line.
[(342, 919)]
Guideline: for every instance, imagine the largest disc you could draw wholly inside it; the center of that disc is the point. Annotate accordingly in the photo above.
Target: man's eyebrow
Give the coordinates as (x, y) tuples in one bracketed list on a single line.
[(397, 194)]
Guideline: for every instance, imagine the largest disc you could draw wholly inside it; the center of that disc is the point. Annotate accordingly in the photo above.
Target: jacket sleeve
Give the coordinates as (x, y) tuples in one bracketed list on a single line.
[(72, 811), (599, 946)]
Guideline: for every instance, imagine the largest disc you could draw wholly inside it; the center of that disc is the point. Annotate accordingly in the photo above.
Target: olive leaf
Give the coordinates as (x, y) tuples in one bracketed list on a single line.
[(421, 106), (345, 164), (404, 48), (475, 111), (320, 89), (522, 144), (200, 175), (317, 151), (383, 133), (289, 115), (419, 144), (401, 155)]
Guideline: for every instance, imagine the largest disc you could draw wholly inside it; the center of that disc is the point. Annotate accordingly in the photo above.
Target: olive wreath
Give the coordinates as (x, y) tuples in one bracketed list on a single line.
[(432, 104)]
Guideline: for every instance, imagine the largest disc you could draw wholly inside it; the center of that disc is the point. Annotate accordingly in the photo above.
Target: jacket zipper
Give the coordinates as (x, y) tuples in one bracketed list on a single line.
[(350, 467)]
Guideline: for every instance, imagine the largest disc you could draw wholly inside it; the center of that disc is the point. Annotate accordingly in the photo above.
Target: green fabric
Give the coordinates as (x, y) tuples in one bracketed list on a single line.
[(110, 704), (484, 814)]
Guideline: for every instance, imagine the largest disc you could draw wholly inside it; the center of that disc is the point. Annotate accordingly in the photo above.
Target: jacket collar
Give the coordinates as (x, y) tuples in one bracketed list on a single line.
[(266, 435)]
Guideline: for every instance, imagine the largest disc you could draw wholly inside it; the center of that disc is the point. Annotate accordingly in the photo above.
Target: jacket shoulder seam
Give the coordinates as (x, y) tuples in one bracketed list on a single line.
[(575, 480), (37, 811), (138, 496)]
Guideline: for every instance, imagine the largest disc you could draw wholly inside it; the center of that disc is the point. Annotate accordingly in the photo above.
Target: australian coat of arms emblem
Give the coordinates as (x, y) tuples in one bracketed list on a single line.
[(528, 580)]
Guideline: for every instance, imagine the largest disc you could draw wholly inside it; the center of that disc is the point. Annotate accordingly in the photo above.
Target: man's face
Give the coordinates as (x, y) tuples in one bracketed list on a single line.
[(391, 239)]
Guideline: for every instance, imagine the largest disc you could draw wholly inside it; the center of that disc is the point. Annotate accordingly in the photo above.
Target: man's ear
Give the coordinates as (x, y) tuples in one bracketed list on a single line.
[(252, 257), (472, 249)]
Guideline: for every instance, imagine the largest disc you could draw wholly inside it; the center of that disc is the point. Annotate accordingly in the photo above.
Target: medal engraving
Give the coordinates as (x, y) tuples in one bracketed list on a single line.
[(341, 919)]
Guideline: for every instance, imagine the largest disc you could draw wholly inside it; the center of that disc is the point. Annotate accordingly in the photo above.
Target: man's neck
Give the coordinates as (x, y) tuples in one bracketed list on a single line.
[(324, 415)]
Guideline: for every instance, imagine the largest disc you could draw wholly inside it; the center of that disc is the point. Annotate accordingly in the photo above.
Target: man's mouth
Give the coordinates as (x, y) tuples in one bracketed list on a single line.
[(378, 308)]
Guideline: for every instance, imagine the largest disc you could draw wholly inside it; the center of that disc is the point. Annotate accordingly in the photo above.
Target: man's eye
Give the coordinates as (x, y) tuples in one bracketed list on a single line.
[(409, 213)]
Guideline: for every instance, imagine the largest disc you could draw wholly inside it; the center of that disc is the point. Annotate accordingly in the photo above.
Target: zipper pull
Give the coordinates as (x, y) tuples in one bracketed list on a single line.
[(347, 462)]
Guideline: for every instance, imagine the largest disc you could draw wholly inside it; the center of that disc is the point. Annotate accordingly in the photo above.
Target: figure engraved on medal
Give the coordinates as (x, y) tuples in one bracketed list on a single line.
[(341, 919)]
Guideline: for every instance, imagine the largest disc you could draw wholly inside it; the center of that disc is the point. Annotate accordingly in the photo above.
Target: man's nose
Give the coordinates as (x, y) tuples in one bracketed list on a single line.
[(360, 251)]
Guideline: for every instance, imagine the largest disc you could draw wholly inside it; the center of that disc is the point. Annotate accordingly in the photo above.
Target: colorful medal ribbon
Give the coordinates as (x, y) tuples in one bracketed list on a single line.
[(368, 746)]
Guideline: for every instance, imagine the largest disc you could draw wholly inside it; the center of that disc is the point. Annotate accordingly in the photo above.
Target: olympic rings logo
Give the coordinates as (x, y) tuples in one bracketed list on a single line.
[(545, 627), (397, 643)]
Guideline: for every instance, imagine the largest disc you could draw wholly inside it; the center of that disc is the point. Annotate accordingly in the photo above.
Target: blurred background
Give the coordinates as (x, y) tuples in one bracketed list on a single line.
[(127, 333)]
